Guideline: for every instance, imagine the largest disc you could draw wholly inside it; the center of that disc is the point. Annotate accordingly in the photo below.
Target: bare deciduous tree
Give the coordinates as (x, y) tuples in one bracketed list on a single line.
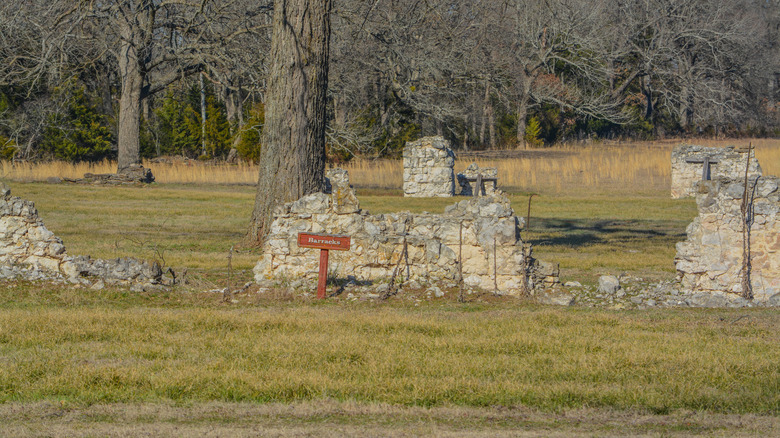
[(292, 160), (153, 43)]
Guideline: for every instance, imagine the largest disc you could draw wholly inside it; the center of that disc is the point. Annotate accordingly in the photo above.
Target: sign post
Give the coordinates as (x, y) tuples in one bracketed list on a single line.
[(325, 243)]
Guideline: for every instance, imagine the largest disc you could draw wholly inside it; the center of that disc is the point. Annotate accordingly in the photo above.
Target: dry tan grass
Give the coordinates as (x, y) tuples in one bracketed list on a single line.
[(24, 171), (329, 418), (181, 172), (603, 167)]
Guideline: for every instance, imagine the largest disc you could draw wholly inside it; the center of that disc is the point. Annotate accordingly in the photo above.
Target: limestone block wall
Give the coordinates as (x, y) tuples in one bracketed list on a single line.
[(468, 188), (711, 258), (24, 240), (731, 163), (26, 243), (428, 164), (493, 253)]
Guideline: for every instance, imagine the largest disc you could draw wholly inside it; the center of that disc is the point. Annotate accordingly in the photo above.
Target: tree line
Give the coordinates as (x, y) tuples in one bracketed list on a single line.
[(126, 79)]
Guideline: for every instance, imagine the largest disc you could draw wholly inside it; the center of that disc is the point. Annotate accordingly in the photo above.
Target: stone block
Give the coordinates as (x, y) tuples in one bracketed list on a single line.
[(608, 284)]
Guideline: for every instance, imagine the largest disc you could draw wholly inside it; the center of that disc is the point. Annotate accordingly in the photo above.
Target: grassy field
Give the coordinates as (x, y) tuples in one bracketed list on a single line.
[(110, 347), (97, 357), (194, 226), (185, 362)]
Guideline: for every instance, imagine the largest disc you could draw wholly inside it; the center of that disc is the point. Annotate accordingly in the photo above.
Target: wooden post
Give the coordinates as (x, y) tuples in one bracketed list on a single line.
[(322, 280)]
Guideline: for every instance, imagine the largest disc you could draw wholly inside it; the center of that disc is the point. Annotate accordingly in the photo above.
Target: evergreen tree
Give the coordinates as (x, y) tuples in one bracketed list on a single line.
[(80, 133), (249, 141)]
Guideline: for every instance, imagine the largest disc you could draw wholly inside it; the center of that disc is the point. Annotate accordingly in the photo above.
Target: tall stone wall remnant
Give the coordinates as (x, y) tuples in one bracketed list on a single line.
[(494, 257), (29, 250), (428, 164), (711, 259), (689, 166)]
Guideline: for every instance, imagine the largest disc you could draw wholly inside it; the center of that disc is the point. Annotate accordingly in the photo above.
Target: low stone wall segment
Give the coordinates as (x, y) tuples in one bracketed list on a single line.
[(28, 250), (494, 257), (468, 188)]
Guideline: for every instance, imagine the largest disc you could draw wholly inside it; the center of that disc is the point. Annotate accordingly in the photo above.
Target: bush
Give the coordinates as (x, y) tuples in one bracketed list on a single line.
[(8, 148)]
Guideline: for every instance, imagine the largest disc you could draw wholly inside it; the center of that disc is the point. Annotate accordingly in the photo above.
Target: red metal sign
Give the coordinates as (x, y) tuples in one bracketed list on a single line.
[(324, 241)]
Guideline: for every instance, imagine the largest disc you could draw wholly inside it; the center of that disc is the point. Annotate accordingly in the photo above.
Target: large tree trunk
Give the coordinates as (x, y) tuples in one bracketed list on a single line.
[(522, 113), (292, 160), (202, 115), (685, 110), (491, 125), (128, 130), (647, 90), (485, 106), (522, 109)]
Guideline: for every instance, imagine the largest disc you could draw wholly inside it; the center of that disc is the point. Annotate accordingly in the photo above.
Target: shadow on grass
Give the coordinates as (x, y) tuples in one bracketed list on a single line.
[(583, 232)]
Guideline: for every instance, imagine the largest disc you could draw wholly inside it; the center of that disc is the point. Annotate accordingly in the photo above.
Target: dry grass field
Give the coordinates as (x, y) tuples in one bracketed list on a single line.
[(631, 168), (600, 168), (81, 362)]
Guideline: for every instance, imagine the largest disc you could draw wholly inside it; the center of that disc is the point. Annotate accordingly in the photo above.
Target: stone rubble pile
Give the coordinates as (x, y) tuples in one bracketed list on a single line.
[(731, 163), (28, 250), (636, 293), (710, 260), (135, 174), (467, 188), (494, 257), (428, 164)]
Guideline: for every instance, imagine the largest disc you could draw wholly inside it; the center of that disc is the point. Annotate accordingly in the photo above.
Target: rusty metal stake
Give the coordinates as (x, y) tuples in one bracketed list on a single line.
[(228, 294), (528, 217), (495, 265), (746, 210)]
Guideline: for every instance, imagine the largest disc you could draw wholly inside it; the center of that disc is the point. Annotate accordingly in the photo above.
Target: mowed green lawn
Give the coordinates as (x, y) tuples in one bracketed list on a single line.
[(195, 226), (78, 347)]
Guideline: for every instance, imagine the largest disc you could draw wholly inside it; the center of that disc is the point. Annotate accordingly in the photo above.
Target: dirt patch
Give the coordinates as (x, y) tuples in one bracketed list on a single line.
[(331, 418)]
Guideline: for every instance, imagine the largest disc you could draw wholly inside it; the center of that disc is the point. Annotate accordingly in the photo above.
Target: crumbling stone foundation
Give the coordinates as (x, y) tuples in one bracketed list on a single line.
[(469, 187), (711, 259), (428, 164), (29, 250), (688, 166), (484, 230)]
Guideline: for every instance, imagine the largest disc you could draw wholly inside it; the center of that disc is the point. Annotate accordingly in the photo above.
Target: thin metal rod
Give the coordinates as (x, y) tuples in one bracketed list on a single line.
[(495, 268)]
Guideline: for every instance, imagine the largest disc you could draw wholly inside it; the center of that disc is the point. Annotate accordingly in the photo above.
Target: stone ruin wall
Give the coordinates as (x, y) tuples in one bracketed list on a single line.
[(377, 240), (710, 260), (731, 164), (28, 250), (468, 188), (428, 164)]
